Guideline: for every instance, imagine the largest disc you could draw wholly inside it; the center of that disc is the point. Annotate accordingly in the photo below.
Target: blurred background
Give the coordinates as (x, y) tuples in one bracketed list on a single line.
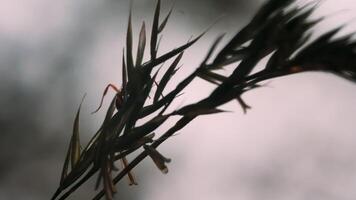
[(298, 141)]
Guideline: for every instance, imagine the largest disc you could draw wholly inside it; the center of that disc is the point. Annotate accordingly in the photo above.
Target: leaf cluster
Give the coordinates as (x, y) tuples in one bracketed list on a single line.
[(279, 29)]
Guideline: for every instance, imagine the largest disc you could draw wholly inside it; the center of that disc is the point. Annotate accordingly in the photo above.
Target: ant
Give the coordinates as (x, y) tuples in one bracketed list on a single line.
[(119, 97)]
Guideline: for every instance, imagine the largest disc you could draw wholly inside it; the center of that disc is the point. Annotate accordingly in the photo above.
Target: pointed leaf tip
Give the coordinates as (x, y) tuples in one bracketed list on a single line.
[(166, 77), (129, 36), (164, 23), (154, 33), (141, 45), (212, 48), (75, 141)]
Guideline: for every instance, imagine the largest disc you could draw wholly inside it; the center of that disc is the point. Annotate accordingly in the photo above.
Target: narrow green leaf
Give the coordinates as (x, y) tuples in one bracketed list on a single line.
[(138, 104), (207, 111), (159, 42), (141, 131), (166, 100), (75, 141), (65, 166), (154, 33), (133, 81), (141, 45), (204, 76), (129, 58), (163, 24), (109, 112), (216, 76), (172, 53), (124, 74), (198, 109), (145, 140), (78, 171), (166, 77), (213, 47), (268, 11)]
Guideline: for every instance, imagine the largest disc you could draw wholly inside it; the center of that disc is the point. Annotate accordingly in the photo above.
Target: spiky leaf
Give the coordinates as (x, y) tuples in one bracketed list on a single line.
[(166, 77), (163, 24), (154, 32), (75, 147), (141, 45)]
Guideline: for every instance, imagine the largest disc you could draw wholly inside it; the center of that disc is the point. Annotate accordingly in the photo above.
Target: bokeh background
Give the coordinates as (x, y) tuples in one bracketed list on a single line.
[(298, 141)]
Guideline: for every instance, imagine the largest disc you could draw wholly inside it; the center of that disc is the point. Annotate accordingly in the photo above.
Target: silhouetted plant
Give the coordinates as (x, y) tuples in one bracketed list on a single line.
[(279, 29)]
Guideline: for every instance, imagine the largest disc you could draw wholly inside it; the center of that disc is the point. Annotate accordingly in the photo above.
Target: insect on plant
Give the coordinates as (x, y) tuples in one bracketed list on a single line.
[(119, 97), (280, 30)]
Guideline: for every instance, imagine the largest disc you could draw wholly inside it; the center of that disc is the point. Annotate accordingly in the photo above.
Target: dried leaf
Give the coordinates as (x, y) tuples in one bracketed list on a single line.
[(107, 183), (157, 158), (130, 175)]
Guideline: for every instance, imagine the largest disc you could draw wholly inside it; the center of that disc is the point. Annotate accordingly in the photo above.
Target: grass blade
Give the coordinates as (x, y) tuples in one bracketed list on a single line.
[(166, 77), (211, 76), (213, 47), (65, 166), (75, 147), (129, 58), (141, 45), (124, 74), (154, 33), (163, 24), (172, 53)]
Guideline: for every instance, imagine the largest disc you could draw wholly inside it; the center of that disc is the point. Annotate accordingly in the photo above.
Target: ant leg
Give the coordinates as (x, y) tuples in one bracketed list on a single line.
[(105, 91)]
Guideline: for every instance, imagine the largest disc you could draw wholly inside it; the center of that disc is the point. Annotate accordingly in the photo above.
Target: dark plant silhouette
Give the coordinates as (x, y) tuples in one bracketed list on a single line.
[(279, 29)]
